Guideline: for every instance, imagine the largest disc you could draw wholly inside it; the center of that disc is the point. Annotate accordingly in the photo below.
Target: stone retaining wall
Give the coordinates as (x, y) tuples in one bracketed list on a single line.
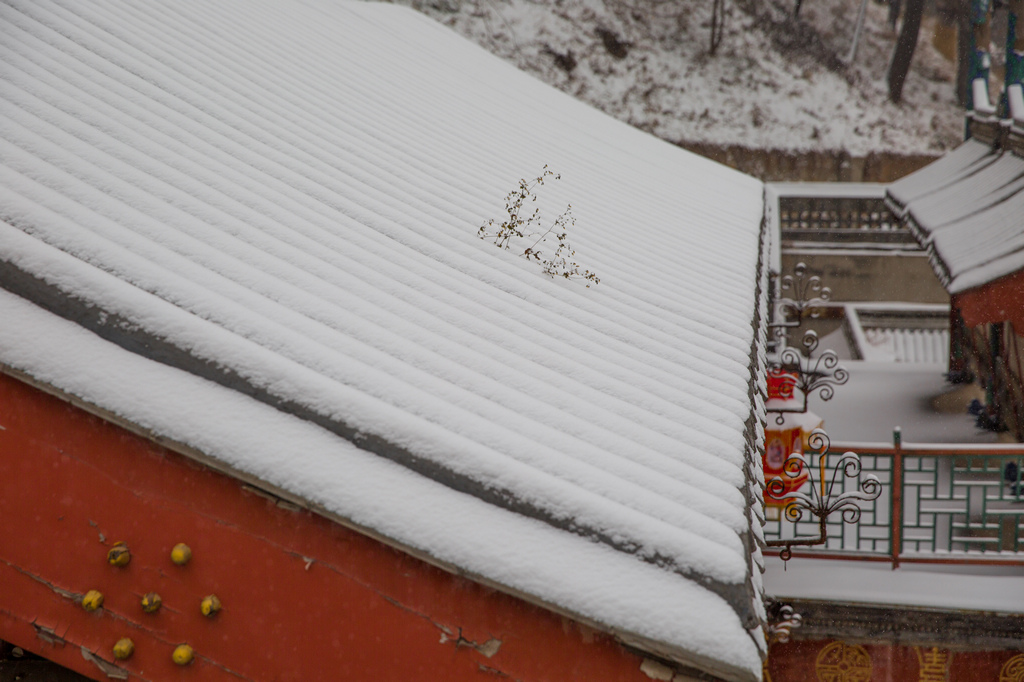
[(774, 165)]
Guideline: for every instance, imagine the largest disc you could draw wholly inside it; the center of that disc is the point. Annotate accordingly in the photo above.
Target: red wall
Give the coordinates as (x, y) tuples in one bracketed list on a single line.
[(835, 661), (998, 301), (304, 598)]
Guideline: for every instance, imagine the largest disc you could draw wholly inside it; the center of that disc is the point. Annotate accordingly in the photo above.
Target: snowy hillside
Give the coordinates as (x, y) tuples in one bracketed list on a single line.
[(772, 84)]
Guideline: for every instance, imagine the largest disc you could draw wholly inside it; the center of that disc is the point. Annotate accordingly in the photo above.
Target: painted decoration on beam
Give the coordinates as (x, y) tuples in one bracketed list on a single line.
[(841, 662), (830, 660), (1013, 670)]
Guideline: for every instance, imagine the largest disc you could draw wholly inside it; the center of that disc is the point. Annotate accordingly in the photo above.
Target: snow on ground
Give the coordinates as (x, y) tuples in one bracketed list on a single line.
[(772, 83), (883, 395), (968, 587)]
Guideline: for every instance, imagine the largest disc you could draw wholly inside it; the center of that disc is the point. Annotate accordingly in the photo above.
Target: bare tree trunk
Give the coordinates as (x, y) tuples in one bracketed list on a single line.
[(717, 24), (906, 43), (894, 12), (964, 28), (856, 32)]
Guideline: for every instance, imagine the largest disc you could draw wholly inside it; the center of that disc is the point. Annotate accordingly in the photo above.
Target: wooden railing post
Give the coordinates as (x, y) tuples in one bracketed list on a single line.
[(896, 515)]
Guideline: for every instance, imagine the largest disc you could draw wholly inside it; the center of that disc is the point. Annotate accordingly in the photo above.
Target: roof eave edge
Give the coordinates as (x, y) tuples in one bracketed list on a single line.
[(755, 621), (134, 337)]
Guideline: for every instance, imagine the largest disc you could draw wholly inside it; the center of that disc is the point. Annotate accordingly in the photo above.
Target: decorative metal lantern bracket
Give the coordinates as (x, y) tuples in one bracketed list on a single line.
[(820, 375), (823, 494), (805, 298)]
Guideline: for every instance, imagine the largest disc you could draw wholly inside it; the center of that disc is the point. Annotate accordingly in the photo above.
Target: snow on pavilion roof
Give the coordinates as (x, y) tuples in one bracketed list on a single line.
[(251, 228), (966, 210)]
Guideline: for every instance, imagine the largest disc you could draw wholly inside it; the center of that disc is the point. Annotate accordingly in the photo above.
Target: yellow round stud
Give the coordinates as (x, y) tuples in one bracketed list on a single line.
[(181, 554), (92, 600), (183, 654), (124, 649), (119, 555), (151, 602), (210, 605)]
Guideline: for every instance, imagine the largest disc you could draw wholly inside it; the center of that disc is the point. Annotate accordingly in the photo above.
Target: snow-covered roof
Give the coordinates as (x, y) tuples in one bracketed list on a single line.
[(251, 229), (965, 209)]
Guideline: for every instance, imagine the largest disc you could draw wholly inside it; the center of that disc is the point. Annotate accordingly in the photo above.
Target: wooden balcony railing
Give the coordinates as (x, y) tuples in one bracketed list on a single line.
[(939, 504)]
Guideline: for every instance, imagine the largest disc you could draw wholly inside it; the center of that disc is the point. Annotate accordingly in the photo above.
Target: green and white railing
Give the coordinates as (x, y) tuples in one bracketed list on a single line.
[(939, 504)]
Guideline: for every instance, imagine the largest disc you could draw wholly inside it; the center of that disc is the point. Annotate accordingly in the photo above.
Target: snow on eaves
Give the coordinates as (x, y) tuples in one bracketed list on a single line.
[(965, 209), (284, 201), (566, 571)]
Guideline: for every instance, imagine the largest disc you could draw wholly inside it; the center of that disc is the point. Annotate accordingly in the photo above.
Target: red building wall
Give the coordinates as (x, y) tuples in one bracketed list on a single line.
[(303, 597), (999, 301), (836, 661)]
